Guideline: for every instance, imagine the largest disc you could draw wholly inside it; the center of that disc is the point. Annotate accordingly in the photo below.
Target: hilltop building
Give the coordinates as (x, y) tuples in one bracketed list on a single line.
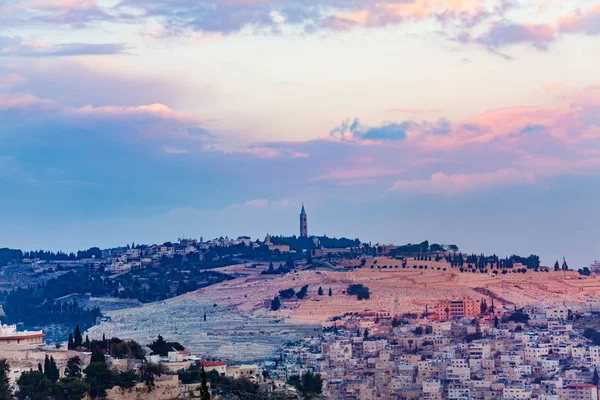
[(303, 223), (10, 338), (283, 248)]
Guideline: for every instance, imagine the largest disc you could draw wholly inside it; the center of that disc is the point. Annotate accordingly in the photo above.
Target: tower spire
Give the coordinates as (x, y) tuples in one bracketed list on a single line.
[(303, 223)]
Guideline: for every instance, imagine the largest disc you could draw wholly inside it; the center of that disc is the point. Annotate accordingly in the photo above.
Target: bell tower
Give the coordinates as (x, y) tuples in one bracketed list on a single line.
[(303, 223)]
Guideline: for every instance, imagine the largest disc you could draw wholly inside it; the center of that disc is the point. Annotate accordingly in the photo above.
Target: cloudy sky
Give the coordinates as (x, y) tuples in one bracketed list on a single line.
[(459, 121)]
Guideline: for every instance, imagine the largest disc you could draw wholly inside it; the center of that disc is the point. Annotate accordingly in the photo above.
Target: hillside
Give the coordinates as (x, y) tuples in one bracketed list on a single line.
[(240, 324)]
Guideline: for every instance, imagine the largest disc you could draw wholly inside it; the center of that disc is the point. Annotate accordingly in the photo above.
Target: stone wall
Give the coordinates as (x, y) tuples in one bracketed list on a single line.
[(165, 388)]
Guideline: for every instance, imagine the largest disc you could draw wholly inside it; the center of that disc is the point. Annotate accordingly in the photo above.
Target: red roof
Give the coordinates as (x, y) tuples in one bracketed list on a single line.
[(581, 385), (212, 363)]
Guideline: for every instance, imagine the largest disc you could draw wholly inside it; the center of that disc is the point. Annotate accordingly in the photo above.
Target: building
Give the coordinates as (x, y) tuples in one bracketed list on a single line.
[(303, 223), (218, 366), (457, 309), (282, 248), (10, 338), (582, 391)]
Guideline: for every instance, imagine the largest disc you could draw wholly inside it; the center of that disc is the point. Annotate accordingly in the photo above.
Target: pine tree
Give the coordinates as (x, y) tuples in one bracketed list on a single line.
[(87, 343), (73, 369), (70, 344), (330, 292), (320, 292), (77, 339)]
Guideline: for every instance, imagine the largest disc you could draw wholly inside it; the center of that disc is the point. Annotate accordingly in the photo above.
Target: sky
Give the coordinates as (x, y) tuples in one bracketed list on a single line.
[(458, 121)]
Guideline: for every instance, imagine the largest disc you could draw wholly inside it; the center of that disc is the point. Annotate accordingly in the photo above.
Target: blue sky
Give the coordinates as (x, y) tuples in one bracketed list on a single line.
[(459, 121)]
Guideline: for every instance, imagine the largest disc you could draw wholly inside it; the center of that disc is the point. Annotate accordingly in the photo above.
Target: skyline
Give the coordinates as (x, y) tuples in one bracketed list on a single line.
[(458, 121)]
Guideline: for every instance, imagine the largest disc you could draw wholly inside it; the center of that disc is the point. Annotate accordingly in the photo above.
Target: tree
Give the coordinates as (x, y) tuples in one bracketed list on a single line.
[(70, 345), (366, 334), (595, 377), (98, 356), (302, 292), (320, 291), (204, 392), (330, 292), (5, 389), (361, 291), (33, 385), (275, 304), (87, 342), (556, 266), (73, 368), (162, 348), (70, 388), (126, 379), (52, 372), (483, 306), (99, 378), (149, 372), (309, 384), (77, 339)]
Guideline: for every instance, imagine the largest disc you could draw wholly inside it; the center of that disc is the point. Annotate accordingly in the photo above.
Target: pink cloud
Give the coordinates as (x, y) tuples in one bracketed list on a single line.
[(25, 102), (260, 152), (581, 21), (358, 174), (441, 183)]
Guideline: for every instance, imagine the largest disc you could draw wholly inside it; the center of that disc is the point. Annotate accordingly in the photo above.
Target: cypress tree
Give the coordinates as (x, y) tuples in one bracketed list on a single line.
[(77, 340), (320, 292), (54, 372), (330, 292), (595, 378), (70, 344), (87, 342), (204, 392)]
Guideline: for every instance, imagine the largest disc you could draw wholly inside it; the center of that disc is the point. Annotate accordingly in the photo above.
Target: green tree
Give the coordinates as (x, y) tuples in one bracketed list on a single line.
[(77, 339), (70, 388), (33, 385), (70, 344), (87, 344), (366, 334), (204, 391), (98, 356), (5, 389), (162, 348), (73, 368), (126, 379), (275, 304), (320, 291), (308, 384), (149, 372), (99, 378), (54, 372), (330, 292), (595, 377)]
